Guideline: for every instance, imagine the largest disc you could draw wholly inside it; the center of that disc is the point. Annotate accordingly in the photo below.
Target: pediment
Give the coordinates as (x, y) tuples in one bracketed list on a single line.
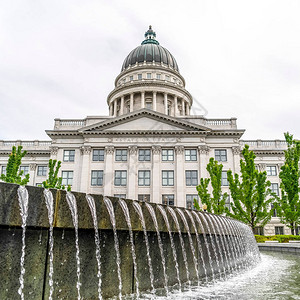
[(143, 120)]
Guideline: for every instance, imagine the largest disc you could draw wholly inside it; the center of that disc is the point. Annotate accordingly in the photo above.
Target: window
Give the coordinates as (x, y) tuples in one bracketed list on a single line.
[(190, 200), (224, 181), (144, 178), (97, 178), (274, 188), (120, 178), (144, 197), (168, 199), (259, 230), (149, 104), (221, 155), (69, 155), (3, 170), (144, 154), (167, 77), (131, 78), (158, 76), (279, 230), (120, 196), (190, 155), (274, 211), (98, 155), (25, 169), (167, 154), (271, 170), (191, 178), (67, 177), (139, 76), (41, 170), (121, 155), (148, 75), (167, 178)]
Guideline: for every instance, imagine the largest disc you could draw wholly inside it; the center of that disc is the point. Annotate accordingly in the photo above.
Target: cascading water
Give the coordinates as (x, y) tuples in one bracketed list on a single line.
[(111, 212), (164, 214), (92, 206), (50, 207), (183, 218), (139, 211), (23, 203), (160, 245), (73, 208), (128, 221)]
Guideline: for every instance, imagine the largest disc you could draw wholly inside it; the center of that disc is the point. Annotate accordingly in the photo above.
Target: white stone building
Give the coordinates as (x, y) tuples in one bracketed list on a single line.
[(149, 147)]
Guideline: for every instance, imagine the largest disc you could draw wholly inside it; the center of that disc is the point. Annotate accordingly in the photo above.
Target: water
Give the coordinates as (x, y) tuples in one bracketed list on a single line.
[(111, 212), (276, 277), (50, 207), (23, 203), (73, 208), (92, 206), (128, 221)]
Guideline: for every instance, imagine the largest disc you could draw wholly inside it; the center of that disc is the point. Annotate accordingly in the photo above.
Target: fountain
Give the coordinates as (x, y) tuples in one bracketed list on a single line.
[(92, 247)]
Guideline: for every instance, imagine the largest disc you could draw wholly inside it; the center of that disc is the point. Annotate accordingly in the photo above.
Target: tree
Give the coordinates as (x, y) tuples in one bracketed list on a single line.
[(251, 196), (53, 180), (288, 205), (13, 172), (216, 203)]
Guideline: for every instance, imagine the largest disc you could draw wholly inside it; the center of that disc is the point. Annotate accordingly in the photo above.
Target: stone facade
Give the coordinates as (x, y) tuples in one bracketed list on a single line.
[(149, 147)]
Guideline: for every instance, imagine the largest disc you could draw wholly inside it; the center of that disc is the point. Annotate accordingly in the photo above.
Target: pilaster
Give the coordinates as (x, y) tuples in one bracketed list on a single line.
[(132, 173), (156, 152), (180, 180), (108, 180), (85, 169)]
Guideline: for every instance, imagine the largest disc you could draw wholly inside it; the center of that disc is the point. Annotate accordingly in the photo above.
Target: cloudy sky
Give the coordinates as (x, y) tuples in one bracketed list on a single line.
[(59, 59)]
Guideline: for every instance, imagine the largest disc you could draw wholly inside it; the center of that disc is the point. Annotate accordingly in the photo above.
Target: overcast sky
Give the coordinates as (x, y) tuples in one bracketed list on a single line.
[(59, 59)]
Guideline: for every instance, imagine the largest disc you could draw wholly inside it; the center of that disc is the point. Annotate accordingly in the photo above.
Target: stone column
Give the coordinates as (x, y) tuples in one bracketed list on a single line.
[(179, 177), (176, 106), (187, 109), (166, 103), (142, 99), (156, 176), (203, 160), (111, 109), (32, 172), (154, 101), (84, 185), (53, 152), (131, 102), (183, 106), (236, 150), (122, 106), (132, 173), (108, 180), (115, 107)]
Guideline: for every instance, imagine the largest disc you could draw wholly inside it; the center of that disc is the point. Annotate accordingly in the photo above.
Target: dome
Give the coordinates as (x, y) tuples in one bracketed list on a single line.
[(150, 51)]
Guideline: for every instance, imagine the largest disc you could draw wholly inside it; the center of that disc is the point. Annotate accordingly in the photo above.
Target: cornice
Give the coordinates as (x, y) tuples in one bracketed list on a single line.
[(29, 152), (268, 152)]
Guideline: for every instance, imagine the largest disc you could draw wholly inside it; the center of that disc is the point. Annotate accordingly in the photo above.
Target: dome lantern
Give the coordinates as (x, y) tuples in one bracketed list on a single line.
[(150, 37)]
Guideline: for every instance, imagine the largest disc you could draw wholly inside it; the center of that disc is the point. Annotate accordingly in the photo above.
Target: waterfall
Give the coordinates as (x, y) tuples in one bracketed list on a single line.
[(110, 210), (23, 203), (139, 211), (92, 206), (127, 217), (73, 208), (50, 207)]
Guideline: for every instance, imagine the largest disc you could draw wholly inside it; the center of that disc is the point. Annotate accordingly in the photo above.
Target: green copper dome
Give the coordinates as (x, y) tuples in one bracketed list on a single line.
[(150, 51)]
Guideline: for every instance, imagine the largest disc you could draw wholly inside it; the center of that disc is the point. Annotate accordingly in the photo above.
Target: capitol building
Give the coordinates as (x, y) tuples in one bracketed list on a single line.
[(150, 147)]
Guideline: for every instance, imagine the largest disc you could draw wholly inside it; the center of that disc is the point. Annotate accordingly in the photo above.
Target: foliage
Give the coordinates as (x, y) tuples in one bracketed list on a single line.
[(216, 203), (251, 201), (53, 180), (279, 238), (13, 173), (288, 205)]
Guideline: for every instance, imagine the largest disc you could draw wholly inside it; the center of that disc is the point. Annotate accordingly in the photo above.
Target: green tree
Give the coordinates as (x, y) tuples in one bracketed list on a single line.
[(13, 172), (216, 203), (288, 205), (251, 196), (53, 181)]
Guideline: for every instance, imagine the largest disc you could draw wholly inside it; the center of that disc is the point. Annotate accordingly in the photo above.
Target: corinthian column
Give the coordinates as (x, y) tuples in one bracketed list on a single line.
[(143, 99), (166, 103), (154, 101), (108, 180)]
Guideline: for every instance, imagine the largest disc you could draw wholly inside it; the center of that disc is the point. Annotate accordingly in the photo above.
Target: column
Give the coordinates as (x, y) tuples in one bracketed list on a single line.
[(236, 150), (166, 103), (156, 176), (115, 107), (180, 177), (85, 169), (187, 109), (154, 101), (108, 180), (131, 102), (32, 172), (132, 173), (143, 99), (183, 106), (203, 160), (111, 109), (122, 106), (176, 106)]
